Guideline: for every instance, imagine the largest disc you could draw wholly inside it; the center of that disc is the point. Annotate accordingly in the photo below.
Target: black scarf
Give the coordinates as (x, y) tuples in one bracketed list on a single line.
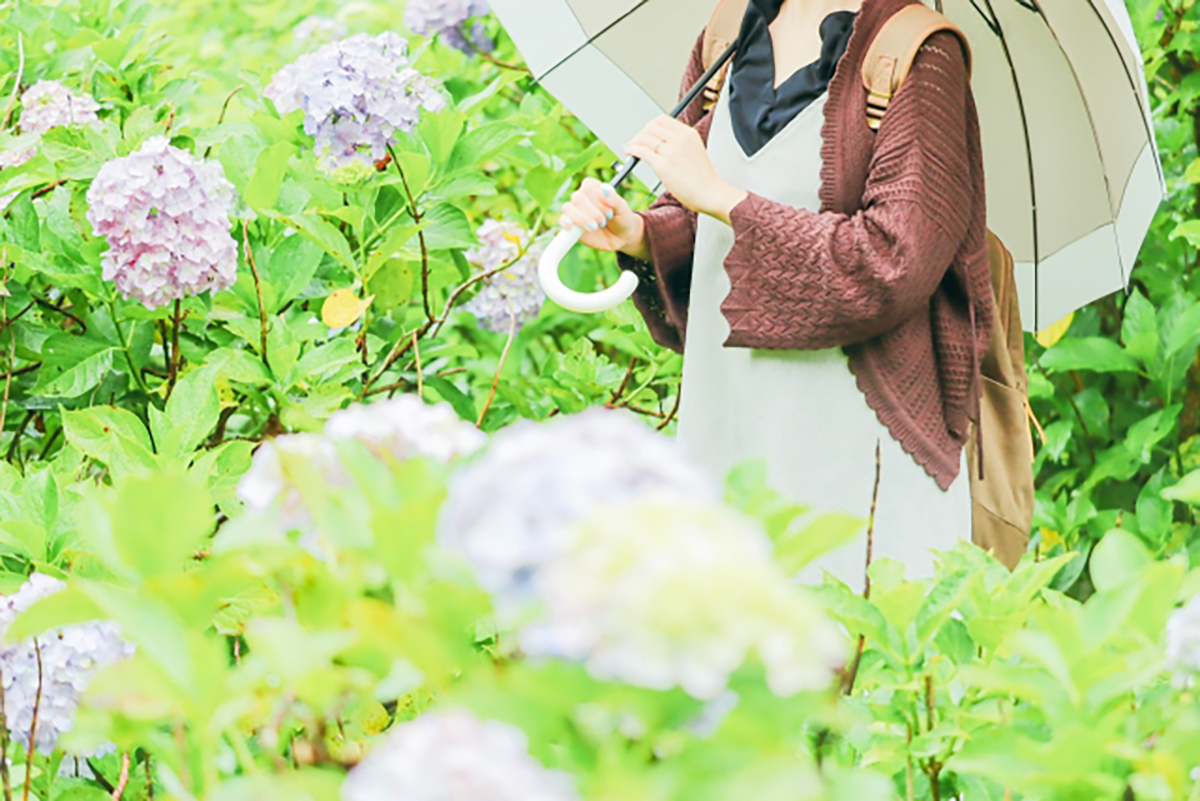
[(758, 110)]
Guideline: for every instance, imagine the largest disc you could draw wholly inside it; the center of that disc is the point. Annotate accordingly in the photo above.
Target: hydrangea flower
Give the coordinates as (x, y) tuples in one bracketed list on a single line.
[(446, 18), (48, 104), (406, 426), (355, 95), (666, 592), (165, 215), (513, 292), (283, 469), (70, 658), (318, 28), (1183, 642), (451, 755), (507, 512)]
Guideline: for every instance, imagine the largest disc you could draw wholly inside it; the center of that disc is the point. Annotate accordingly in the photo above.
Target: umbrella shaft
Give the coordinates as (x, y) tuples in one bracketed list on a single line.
[(697, 88)]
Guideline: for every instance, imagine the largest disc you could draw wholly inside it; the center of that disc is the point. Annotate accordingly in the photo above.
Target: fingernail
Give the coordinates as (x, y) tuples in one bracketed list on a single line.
[(607, 190), (592, 226), (566, 223), (611, 214)]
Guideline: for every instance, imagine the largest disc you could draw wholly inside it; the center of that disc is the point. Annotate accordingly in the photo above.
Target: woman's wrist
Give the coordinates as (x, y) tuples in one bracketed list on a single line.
[(724, 199), (637, 245)]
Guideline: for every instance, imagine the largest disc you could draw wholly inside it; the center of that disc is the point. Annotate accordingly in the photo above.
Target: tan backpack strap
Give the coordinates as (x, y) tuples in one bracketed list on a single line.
[(723, 28), (891, 54)]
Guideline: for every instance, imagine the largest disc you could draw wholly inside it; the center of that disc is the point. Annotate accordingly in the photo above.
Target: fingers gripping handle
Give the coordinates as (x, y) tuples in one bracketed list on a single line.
[(568, 298)]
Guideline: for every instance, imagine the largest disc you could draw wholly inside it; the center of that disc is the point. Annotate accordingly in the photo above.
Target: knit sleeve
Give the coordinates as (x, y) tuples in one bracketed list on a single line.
[(665, 280), (810, 280)]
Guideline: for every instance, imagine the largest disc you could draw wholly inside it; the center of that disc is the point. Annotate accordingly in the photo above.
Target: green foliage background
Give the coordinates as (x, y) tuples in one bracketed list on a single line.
[(122, 453)]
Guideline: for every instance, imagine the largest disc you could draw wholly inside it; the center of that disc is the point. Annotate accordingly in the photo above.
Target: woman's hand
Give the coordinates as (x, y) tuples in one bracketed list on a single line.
[(678, 156), (607, 221)]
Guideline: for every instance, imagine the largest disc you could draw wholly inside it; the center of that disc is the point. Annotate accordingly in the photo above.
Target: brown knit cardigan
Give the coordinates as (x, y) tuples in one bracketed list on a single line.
[(894, 267)]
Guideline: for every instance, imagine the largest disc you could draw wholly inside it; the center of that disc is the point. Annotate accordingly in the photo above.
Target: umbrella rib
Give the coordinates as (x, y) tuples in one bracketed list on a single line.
[(590, 40), (1028, 153), (991, 22), (1087, 107), (1132, 84)]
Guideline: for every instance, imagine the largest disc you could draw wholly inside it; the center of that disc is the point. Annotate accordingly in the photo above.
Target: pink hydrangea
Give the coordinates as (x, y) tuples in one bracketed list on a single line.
[(355, 95), (49, 104), (165, 215)]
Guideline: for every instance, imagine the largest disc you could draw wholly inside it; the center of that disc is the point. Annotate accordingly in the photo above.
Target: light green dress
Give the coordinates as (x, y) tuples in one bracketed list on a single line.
[(800, 409)]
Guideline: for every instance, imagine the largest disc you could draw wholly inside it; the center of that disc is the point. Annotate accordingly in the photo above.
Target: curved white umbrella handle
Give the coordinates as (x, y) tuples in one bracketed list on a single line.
[(569, 298)]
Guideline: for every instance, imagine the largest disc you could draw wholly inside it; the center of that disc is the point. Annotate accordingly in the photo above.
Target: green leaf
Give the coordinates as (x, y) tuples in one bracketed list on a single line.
[(481, 143), (1192, 173), (416, 169), (829, 531), (1088, 353), (543, 184), (1118, 557), (1189, 230), (262, 190), (324, 234), (72, 365), (110, 435), (160, 521), (452, 394), (330, 356), (290, 267), (393, 285), (395, 239), (440, 132), (192, 410), (942, 600), (448, 227), (1187, 490), (1139, 329)]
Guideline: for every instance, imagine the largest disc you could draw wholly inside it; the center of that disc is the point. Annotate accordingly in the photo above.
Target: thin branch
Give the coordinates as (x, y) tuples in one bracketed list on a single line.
[(12, 447), (221, 116), (37, 702), (104, 783), (12, 100), (262, 310), (4, 777), (173, 372), (420, 376), (624, 382), (123, 779), (674, 409), (852, 674), (416, 217), (149, 779), (512, 331), (8, 377), (45, 304)]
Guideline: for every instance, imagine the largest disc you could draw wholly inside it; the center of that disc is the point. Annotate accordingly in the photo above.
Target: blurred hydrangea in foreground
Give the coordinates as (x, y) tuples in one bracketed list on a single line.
[(445, 19), (70, 658), (355, 94), (508, 511), (1183, 642), (453, 756), (290, 472), (165, 215), (316, 28), (665, 592), (514, 292)]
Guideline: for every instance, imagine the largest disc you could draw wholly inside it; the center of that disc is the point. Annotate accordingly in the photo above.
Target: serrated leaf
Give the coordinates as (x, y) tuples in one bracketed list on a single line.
[(110, 435), (448, 227), (72, 365)]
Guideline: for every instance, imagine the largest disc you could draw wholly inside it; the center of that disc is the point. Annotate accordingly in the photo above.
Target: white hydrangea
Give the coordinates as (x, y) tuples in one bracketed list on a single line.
[(445, 19), (355, 94), (283, 470), (48, 104), (70, 658), (507, 511), (165, 215), (1183, 642), (514, 291), (317, 28), (666, 592), (406, 426), (450, 755)]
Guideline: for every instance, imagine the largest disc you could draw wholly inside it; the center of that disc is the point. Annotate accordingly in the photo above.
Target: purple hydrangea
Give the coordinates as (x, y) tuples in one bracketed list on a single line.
[(446, 19), (165, 215), (70, 658), (514, 292), (49, 104), (355, 95)]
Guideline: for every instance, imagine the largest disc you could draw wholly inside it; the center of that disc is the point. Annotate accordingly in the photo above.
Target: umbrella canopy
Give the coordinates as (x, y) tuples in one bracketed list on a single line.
[(1072, 171)]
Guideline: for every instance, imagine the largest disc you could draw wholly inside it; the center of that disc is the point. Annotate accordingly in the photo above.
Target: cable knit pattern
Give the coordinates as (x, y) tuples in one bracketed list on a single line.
[(894, 267)]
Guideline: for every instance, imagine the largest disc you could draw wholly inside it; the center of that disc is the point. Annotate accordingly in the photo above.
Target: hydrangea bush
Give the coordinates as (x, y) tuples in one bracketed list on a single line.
[(306, 491)]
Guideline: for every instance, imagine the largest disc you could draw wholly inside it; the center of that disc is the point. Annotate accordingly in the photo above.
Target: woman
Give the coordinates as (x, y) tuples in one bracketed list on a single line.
[(828, 285)]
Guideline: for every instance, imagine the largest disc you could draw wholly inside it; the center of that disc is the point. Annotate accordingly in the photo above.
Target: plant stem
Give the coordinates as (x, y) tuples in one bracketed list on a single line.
[(4, 777), (416, 216), (512, 330), (262, 310), (37, 702), (173, 372), (123, 779), (125, 346), (149, 779)]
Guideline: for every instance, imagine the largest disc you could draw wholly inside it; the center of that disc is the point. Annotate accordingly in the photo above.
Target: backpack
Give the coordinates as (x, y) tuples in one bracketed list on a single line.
[(1002, 486)]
